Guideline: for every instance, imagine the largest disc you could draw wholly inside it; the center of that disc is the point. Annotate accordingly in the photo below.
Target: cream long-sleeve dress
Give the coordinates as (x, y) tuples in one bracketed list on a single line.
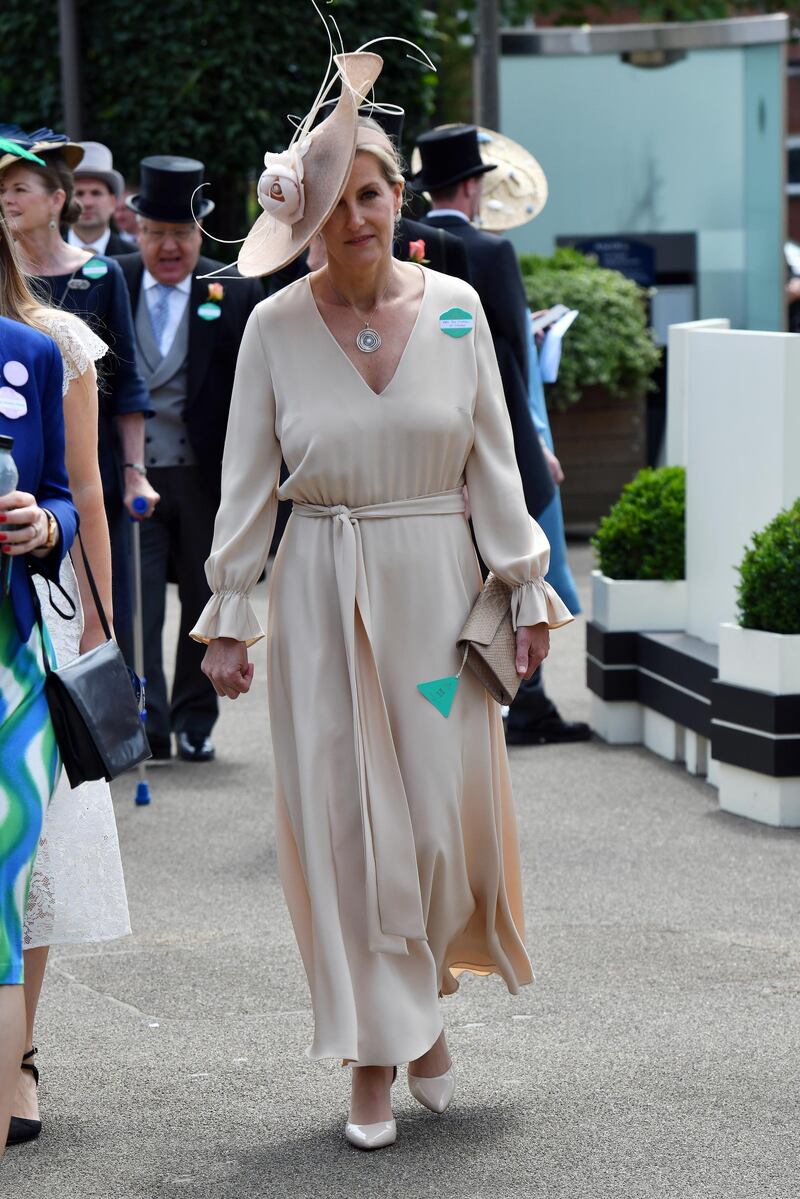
[(396, 831)]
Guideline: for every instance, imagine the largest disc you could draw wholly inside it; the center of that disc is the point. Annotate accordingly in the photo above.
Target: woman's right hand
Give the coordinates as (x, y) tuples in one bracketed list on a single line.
[(23, 523), (225, 665)]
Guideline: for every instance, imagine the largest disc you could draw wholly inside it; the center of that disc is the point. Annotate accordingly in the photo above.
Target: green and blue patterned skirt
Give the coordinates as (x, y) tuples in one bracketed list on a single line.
[(29, 766)]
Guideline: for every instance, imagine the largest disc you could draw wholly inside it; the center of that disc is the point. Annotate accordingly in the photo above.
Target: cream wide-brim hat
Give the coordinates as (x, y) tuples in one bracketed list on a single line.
[(514, 193), (272, 244)]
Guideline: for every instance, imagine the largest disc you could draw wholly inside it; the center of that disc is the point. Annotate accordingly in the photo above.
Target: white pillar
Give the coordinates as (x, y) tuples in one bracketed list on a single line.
[(743, 463), (678, 385)]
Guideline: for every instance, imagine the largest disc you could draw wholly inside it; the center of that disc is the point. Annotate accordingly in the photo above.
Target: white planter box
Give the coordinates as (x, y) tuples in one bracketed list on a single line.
[(767, 662), (759, 661), (638, 605)]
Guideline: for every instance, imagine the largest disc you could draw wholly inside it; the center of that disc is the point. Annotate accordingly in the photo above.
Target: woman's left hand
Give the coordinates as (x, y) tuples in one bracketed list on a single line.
[(533, 646), (23, 525)]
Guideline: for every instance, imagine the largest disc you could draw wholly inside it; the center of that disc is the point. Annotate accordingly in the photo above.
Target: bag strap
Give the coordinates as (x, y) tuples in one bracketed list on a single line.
[(93, 588), (37, 610)]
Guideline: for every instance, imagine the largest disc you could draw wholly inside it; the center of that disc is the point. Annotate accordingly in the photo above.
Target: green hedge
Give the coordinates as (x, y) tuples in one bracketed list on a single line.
[(610, 344), (643, 536), (769, 576)]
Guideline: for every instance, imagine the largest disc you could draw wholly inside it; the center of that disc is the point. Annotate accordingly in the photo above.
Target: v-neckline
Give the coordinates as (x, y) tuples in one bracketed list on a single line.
[(377, 394)]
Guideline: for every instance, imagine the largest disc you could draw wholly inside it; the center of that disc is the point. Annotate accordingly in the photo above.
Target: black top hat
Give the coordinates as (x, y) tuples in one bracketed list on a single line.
[(166, 187), (449, 154)]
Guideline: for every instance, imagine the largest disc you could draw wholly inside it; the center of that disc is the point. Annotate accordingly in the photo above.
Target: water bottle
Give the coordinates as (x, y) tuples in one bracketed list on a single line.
[(8, 482)]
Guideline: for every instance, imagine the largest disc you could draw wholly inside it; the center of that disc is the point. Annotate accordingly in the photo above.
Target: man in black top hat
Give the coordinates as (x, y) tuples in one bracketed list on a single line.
[(188, 331), (452, 173)]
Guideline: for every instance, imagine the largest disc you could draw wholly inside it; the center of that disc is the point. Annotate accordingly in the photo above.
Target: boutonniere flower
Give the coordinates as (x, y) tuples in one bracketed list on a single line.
[(216, 293), (416, 252)]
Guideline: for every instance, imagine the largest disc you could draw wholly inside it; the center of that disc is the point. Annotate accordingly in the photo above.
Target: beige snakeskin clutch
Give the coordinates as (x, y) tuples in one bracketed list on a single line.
[(489, 641)]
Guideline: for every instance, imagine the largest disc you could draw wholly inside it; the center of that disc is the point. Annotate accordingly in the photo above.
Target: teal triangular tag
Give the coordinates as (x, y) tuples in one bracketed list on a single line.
[(440, 693)]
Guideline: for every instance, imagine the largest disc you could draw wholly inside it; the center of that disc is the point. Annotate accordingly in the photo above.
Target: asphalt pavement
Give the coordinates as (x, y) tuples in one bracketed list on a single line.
[(657, 1054)]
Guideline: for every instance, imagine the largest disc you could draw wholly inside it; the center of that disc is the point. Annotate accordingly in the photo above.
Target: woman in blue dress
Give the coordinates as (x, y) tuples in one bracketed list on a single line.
[(37, 526)]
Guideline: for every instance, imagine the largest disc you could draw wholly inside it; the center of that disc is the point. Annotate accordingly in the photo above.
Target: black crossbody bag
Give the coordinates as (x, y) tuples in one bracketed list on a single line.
[(94, 707)]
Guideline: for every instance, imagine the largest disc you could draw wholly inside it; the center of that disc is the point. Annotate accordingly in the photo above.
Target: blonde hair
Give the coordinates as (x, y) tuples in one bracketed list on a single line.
[(17, 301), (381, 147)]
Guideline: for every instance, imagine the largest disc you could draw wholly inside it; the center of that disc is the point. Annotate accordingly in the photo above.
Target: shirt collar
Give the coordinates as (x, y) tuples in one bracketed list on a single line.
[(99, 245), (450, 212), (185, 285)]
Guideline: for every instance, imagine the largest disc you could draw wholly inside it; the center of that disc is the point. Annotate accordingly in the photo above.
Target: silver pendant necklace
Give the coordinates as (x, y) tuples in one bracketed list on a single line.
[(368, 340)]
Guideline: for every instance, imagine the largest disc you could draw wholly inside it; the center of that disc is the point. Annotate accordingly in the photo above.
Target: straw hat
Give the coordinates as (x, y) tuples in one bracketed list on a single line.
[(39, 142), (517, 191), (300, 188), (513, 193)]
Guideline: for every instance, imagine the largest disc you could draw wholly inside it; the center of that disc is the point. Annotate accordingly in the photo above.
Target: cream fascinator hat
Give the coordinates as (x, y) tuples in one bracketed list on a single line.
[(514, 186), (300, 187), (517, 191)]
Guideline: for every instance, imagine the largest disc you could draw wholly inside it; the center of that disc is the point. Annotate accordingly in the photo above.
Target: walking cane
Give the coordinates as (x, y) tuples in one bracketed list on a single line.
[(140, 506)]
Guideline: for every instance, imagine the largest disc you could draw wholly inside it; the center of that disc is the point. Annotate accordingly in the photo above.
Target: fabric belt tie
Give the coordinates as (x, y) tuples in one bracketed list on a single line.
[(393, 900)]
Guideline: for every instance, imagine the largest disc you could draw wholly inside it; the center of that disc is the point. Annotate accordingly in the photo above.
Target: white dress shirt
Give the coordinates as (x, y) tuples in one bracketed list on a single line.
[(99, 246), (178, 299), (450, 212)]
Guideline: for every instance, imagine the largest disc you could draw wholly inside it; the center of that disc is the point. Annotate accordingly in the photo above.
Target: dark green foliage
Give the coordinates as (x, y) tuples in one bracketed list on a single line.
[(643, 536), (210, 80), (609, 344), (769, 576)]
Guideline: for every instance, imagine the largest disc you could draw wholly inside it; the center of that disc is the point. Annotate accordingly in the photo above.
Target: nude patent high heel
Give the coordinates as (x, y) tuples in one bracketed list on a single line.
[(433, 1093), (372, 1136)]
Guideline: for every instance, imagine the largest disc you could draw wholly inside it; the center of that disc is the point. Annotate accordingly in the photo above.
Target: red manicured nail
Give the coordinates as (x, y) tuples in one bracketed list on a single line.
[(2, 518), (3, 537), (6, 549)]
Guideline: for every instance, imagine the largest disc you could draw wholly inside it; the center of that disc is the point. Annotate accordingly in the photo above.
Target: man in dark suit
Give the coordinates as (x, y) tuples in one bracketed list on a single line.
[(452, 173), (98, 187), (188, 330)]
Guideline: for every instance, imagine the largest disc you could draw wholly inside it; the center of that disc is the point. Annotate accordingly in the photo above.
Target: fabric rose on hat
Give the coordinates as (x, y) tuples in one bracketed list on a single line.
[(280, 188)]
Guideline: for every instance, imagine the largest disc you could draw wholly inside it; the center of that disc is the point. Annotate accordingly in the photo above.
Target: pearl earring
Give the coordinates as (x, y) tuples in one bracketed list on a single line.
[(51, 224)]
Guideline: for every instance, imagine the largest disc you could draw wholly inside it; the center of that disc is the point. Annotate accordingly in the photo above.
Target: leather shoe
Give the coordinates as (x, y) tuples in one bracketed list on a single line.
[(550, 731), (195, 747)]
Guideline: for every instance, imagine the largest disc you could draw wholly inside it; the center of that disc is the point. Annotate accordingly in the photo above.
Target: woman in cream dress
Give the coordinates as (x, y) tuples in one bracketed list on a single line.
[(396, 830)]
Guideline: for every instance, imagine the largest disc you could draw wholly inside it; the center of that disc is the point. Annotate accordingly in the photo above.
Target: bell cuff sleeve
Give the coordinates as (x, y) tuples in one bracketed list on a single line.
[(535, 602), (510, 541), (228, 614), (246, 517)]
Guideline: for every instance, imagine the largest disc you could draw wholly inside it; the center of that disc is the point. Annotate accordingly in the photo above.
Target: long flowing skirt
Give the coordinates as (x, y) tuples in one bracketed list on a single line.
[(29, 766)]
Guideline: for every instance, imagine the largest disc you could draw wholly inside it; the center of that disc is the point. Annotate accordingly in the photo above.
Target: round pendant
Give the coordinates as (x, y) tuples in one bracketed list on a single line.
[(368, 341)]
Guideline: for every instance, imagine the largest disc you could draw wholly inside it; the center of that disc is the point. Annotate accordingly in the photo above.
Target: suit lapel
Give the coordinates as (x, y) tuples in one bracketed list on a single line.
[(202, 335)]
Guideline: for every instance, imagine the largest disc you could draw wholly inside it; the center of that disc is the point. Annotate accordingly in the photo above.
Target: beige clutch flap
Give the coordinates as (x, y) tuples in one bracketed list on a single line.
[(489, 641)]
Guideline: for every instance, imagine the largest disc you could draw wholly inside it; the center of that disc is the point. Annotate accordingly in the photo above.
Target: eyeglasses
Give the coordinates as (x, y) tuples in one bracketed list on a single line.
[(159, 234)]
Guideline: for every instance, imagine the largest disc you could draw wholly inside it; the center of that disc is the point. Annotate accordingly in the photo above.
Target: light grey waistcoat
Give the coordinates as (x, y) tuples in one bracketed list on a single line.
[(166, 438)]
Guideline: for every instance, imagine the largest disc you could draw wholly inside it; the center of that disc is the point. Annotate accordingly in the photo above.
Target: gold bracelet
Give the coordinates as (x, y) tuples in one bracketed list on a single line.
[(52, 530)]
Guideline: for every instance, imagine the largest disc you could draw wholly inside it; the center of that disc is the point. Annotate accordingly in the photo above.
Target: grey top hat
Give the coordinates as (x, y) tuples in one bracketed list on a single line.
[(99, 164)]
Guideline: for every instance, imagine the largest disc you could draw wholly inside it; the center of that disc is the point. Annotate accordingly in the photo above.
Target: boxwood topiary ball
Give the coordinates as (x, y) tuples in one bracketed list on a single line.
[(643, 536), (769, 576)]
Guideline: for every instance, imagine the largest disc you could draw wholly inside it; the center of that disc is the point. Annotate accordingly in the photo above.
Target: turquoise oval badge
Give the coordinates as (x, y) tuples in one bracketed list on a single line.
[(95, 269), (209, 312), (456, 322)]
